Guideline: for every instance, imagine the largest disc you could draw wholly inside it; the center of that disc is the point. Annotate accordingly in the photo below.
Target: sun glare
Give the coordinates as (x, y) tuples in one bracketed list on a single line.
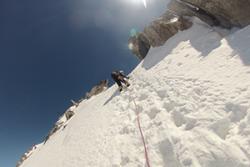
[(144, 2)]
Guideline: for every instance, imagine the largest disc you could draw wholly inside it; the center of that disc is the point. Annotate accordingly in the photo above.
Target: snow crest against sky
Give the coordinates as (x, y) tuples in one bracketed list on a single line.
[(52, 51)]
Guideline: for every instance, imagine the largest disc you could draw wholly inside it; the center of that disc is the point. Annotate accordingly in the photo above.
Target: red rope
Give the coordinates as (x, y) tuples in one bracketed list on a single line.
[(142, 136)]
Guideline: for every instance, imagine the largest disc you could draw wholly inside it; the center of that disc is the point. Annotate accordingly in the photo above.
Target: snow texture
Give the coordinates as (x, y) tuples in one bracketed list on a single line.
[(193, 97)]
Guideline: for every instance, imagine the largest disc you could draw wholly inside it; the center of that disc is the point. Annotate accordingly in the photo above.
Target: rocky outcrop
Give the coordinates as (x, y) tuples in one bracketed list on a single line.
[(62, 121), (70, 112), (164, 28), (139, 45), (229, 13), (182, 8), (26, 155), (103, 85), (224, 13), (157, 33)]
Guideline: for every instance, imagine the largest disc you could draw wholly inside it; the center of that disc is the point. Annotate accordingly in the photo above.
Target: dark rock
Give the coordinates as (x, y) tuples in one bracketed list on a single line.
[(224, 13), (25, 156), (229, 13), (157, 33), (103, 85), (182, 8), (164, 28), (69, 114), (139, 45)]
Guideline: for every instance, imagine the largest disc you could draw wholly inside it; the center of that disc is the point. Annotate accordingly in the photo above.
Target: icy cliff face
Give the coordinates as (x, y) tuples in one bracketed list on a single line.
[(229, 13), (157, 33), (193, 97), (222, 13)]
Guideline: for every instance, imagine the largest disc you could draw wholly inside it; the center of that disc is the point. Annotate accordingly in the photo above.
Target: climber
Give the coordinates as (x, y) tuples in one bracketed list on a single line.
[(119, 78)]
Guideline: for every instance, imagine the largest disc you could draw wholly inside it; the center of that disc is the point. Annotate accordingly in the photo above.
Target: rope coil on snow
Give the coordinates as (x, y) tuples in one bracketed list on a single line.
[(142, 136)]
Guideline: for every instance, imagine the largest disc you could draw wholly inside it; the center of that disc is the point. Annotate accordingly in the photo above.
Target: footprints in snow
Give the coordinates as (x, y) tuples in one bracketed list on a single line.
[(168, 154), (221, 128), (187, 102), (152, 113), (179, 120), (162, 93), (237, 112)]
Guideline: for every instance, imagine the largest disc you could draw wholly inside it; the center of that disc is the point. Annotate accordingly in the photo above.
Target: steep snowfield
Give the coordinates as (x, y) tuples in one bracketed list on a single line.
[(193, 96)]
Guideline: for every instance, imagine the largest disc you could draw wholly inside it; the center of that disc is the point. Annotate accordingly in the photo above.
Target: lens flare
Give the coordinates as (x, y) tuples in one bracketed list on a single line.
[(138, 2), (145, 3), (130, 46)]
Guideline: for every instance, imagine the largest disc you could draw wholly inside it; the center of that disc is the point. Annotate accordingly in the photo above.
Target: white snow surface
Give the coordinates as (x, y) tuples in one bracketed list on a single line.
[(193, 96)]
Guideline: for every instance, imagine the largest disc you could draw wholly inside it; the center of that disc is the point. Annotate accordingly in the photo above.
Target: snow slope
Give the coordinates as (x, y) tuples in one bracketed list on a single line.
[(193, 96)]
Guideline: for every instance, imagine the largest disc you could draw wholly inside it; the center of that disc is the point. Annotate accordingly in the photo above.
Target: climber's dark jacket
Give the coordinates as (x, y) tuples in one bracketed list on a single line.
[(118, 77)]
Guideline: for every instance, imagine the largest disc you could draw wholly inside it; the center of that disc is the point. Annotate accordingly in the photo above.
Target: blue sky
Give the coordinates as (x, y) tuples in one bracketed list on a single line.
[(52, 51)]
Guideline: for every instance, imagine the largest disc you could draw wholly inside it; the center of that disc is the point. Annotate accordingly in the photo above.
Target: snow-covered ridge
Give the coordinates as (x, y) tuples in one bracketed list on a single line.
[(193, 96), (223, 13)]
